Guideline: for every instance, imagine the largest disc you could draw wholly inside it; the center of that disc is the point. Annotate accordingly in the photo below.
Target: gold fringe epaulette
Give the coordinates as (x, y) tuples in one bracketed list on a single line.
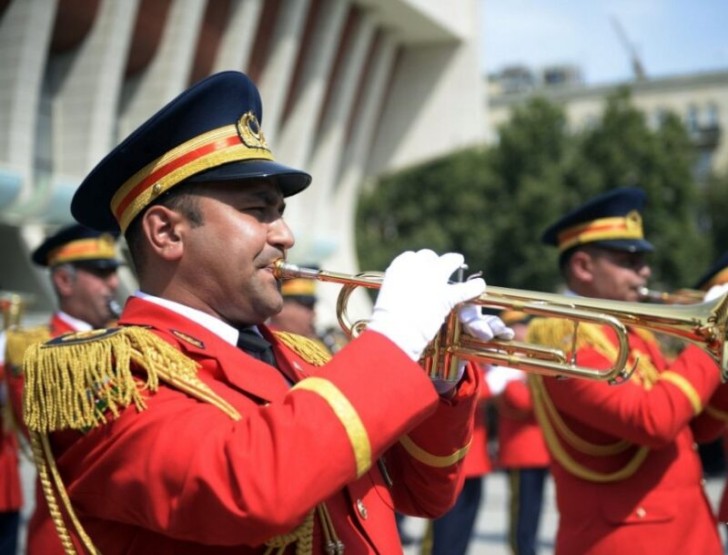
[(559, 333), (74, 381), (312, 351), (17, 342)]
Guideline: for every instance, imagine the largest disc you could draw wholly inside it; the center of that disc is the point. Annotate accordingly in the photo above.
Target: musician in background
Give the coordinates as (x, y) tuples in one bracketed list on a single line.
[(83, 272), (627, 475), (712, 423), (522, 452), (11, 493)]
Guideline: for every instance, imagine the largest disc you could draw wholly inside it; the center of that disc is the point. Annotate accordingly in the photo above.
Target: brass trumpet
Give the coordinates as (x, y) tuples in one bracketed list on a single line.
[(12, 306), (705, 324), (680, 296)]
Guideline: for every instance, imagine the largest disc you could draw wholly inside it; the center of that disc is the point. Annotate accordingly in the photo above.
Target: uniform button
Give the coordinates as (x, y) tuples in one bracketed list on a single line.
[(361, 508), (640, 512)]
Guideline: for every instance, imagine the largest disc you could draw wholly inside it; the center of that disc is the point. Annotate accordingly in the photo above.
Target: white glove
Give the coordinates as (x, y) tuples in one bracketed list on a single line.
[(483, 326), (480, 326), (415, 298), (715, 292), (498, 377)]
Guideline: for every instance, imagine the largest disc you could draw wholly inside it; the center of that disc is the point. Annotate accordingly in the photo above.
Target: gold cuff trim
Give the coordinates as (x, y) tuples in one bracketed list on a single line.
[(686, 387), (429, 459), (347, 415), (717, 413)]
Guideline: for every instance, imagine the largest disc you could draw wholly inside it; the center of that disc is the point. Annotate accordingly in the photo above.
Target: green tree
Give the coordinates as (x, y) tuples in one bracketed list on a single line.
[(493, 205), (621, 150)]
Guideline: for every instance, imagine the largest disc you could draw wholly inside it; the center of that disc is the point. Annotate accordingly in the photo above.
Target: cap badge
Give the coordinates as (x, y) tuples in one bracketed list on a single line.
[(250, 132)]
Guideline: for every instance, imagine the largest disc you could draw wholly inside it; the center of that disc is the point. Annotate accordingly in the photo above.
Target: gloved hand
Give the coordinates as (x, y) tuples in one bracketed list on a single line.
[(498, 377), (415, 298), (481, 326), (715, 292)]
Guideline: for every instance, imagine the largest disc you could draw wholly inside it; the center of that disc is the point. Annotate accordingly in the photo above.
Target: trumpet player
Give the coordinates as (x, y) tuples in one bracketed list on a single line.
[(713, 421), (83, 267), (626, 473), (208, 432)]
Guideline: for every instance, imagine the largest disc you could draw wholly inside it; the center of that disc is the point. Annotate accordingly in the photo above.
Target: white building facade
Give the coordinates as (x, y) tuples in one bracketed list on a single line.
[(350, 88)]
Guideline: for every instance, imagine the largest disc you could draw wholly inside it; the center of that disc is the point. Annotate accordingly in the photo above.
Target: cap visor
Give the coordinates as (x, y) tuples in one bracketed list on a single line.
[(627, 245), (290, 181)]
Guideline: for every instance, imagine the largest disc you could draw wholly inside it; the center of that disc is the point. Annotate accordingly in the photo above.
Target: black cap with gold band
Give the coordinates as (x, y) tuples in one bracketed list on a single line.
[(77, 244), (210, 132), (612, 220), (717, 274)]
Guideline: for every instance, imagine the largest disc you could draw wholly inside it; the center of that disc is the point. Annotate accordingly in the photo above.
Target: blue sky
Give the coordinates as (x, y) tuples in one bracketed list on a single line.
[(671, 37)]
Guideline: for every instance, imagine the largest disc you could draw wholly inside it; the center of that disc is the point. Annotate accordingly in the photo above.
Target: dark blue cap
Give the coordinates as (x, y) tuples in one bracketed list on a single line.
[(717, 274), (611, 220), (80, 245), (210, 132)]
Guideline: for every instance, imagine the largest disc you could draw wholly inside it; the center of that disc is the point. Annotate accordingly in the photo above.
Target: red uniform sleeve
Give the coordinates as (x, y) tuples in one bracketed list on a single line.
[(425, 466), (197, 475), (649, 416)]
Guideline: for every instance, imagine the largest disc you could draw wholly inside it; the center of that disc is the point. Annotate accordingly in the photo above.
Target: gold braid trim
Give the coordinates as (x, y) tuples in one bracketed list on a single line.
[(560, 333), (49, 477), (576, 442), (312, 351), (436, 461), (560, 454), (717, 413), (687, 389), (75, 380), (17, 342)]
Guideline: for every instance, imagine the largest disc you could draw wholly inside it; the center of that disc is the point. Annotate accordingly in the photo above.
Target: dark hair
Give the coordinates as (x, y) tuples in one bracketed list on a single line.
[(182, 199)]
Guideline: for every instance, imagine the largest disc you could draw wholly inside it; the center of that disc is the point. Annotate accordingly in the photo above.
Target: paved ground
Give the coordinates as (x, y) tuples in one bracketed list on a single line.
[(490, 532)]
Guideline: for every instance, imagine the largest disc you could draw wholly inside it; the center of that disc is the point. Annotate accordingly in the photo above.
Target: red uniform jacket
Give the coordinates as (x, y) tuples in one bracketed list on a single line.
[(477, 461), (625, 464), (520, 439), (183, 477), (710, 425), (11, 497)]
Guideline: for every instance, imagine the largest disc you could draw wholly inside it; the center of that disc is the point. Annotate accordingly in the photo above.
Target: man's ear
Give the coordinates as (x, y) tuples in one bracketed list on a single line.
[(163, 228), (582, 266), (63, 281)]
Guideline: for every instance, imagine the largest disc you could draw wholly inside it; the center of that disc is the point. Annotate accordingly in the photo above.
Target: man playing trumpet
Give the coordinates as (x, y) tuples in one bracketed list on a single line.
[(207, 431), (627, 475)]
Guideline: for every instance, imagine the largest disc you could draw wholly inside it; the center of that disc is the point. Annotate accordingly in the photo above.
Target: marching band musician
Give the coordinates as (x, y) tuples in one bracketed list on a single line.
[(208, 432), (83, 266), (522, 451), (11, 491), (713, 421), (627, 474), (83, 272)]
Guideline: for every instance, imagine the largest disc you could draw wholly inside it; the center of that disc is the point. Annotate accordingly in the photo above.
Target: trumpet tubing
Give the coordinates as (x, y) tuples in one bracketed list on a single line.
[(705, 324)]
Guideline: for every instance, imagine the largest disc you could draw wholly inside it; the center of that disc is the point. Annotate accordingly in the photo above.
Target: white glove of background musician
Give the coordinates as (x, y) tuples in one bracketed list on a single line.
[(715, 292), (415, 298)]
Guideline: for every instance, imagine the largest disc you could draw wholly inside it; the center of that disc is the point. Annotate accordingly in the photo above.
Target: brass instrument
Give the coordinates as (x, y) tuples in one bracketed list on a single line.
[(13, 305), (705, 324), (680, 296)]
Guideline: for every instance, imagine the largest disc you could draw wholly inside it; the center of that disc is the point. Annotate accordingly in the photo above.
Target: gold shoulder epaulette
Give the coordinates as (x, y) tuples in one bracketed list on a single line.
[(17, 342), (73, 381), (559, 333), (312, 351)]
